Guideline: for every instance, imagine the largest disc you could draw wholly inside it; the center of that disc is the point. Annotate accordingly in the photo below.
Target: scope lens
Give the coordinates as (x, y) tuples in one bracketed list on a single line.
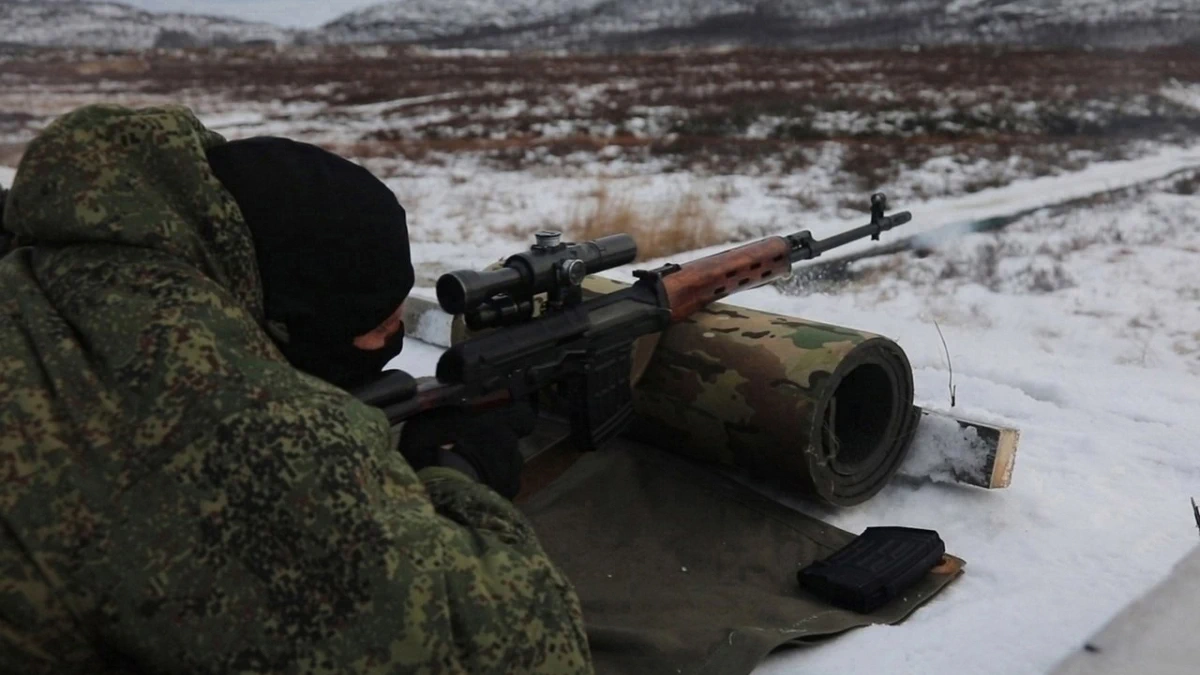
[(452, 293), (460, 292)]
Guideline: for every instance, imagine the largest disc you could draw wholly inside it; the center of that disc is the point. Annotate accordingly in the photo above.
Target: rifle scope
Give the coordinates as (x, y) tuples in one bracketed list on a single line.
[(550, 266)]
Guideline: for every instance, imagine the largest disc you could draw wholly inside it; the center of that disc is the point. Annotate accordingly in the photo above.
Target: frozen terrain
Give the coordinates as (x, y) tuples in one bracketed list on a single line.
[(1080, 327), (1078, 323), (1086, 336)]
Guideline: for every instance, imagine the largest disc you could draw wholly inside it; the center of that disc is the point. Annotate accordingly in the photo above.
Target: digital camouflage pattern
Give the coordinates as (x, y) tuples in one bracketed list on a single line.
[(175, 497), (767, 392)]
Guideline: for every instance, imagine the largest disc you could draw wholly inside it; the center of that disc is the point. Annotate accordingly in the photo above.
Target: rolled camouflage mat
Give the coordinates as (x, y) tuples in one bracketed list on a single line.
[(823, 410)]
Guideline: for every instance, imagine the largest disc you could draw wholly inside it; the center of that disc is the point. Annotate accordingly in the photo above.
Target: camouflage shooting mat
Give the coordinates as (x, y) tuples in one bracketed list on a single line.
[(822, 410), (682, 570)]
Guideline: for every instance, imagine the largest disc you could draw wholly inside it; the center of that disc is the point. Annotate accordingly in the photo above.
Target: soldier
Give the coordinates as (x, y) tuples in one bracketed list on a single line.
[(187, 485)]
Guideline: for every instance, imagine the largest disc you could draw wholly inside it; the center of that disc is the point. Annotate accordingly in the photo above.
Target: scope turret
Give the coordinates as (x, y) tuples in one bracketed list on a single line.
[(550, 266)]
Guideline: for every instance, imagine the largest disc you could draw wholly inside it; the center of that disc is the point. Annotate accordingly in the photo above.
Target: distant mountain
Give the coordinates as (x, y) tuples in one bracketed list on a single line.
[(422, 20), (824, 23), (624, 24), (111, 25)]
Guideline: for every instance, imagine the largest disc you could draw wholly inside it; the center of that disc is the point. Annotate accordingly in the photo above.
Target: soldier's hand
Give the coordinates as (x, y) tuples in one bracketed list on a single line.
[(483, 445)]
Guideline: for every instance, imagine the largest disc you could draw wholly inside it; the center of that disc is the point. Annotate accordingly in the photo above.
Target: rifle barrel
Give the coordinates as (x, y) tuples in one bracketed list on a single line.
[(806, 248)]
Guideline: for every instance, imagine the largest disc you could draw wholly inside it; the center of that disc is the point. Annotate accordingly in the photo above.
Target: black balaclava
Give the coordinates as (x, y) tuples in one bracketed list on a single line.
[(332, 248)]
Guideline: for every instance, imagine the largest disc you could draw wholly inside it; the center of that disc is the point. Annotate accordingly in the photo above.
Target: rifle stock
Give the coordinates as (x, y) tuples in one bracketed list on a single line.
[(693, 285)]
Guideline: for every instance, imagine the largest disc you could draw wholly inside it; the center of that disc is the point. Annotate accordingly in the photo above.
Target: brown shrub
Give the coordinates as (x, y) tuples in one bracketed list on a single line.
[(687, 223), (113, 66)]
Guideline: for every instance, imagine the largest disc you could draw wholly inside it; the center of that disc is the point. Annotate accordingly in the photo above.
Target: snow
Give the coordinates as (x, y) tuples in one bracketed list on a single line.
[(418, 359), (224, 122), (943, 449), (1184, 94), (952, 215), (423, 19), (400, 103), (464, 214), (1097, 362), (1156, 634), (1094, 9)]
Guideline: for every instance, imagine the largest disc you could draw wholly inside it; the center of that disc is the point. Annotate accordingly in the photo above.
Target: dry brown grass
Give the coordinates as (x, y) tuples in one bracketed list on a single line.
[(113, 66), (11, 153), (685, 223)]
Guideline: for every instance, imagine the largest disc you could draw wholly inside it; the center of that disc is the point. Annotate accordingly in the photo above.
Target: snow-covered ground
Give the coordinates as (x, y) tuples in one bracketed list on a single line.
[(463, 215), (1103, 379), (1082, 329)]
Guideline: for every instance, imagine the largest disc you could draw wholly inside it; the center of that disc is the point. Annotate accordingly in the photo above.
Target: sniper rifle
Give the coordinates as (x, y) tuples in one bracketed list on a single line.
[(583, 348)]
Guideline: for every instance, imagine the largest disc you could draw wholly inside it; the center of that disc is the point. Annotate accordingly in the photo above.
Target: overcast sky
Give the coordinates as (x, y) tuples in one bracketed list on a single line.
[(296, 13)]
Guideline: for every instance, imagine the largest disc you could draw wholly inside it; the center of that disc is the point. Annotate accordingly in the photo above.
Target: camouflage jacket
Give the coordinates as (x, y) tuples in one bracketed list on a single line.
[(175, 498)]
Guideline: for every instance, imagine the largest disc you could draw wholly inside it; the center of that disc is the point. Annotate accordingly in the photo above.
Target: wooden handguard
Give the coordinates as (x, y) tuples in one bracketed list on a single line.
[(708, 279)]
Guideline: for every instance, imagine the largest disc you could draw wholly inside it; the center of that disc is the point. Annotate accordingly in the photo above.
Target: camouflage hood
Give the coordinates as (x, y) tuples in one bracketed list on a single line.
[(138, 178), (175, 496)]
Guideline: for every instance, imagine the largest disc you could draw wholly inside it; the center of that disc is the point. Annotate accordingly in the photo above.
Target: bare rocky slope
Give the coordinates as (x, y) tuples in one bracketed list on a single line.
[(793, 23)]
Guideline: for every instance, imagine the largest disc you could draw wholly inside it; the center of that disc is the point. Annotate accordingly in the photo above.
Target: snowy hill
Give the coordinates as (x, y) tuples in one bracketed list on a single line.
[(419, 20), (604, 24), (110, 25), (615, 23)]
